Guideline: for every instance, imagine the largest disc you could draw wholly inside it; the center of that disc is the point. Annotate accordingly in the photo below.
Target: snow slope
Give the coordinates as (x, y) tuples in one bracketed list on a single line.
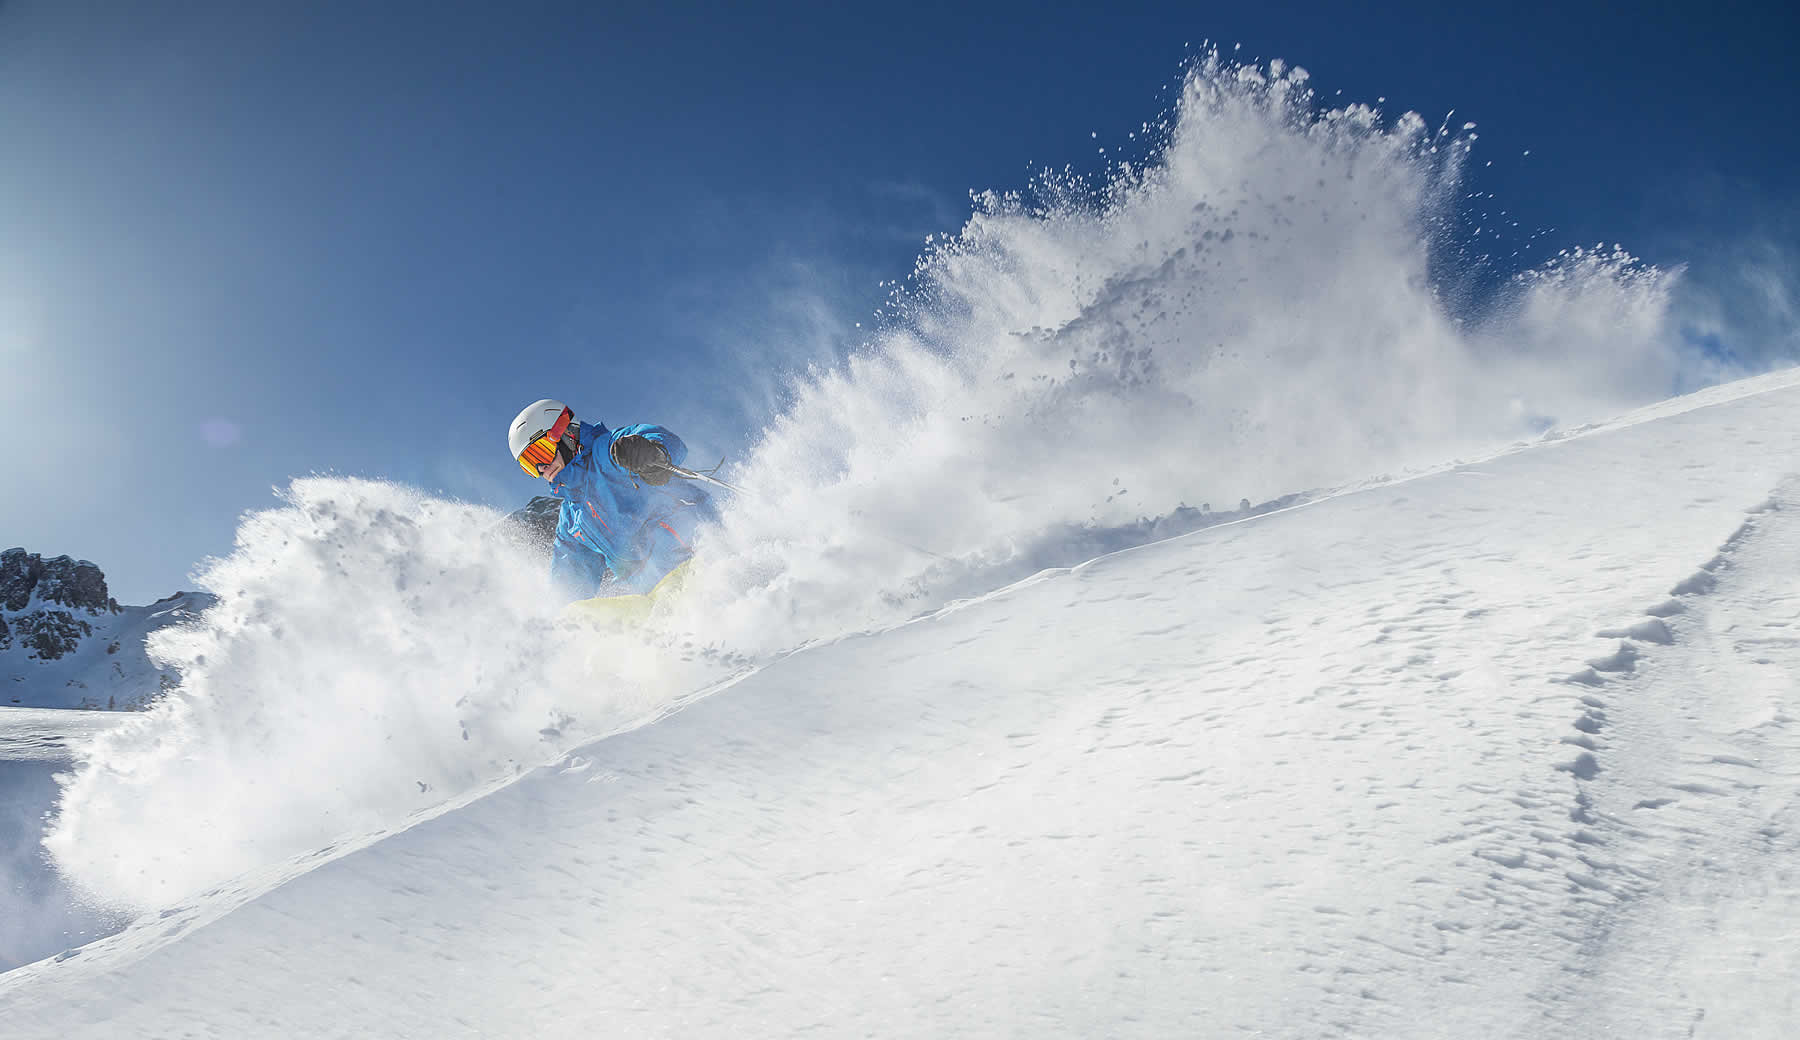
[(1505, 750)]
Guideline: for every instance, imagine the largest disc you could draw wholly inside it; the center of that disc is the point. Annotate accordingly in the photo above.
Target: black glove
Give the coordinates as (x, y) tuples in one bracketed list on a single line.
[(646, 459)]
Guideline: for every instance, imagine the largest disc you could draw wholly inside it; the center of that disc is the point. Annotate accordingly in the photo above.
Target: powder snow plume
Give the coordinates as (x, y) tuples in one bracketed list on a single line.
[(1250, 310), (374, 652)]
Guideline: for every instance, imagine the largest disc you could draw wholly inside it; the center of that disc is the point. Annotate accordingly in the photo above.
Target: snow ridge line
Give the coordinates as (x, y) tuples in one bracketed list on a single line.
[(1710, 397), (1699, 400)]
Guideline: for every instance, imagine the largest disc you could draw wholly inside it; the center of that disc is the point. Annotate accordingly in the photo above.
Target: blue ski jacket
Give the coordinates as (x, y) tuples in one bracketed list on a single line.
[(615, 530)]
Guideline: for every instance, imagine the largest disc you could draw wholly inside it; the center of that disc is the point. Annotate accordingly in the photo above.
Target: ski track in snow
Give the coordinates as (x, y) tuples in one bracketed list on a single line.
[(1693, 784), (1505, 750)]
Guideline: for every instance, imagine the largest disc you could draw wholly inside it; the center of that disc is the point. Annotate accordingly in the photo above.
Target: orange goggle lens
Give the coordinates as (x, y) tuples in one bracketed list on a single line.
[(542, 450)]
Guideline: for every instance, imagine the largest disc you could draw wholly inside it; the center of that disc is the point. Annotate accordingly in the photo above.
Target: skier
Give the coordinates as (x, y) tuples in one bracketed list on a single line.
[(624, 526)]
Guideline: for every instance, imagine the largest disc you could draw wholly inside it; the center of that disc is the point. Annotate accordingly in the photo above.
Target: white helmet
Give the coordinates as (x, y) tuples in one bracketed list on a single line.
[(538, 418)]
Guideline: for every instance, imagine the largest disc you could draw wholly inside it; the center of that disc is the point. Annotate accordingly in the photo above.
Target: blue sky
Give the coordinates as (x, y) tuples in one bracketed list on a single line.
[(245, 242)]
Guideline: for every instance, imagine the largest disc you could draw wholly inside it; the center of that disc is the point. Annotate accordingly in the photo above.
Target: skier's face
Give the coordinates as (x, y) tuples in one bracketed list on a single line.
[(550, 469)]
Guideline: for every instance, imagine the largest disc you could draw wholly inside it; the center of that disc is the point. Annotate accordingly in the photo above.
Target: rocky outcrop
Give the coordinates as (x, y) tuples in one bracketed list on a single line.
[(49, 634), (68, 582), (66, 643)]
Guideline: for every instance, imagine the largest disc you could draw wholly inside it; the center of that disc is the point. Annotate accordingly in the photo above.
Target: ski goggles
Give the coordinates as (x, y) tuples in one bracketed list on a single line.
[(542, 449)]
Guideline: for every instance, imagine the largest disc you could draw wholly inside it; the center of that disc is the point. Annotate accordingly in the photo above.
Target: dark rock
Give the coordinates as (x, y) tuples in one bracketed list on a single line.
[(51, 633), (75, 583), (17, 578), (67, 582)]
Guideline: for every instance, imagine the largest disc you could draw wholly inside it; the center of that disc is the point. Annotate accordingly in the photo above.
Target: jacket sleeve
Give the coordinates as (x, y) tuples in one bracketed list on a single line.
[(576, 570), (660, 434)]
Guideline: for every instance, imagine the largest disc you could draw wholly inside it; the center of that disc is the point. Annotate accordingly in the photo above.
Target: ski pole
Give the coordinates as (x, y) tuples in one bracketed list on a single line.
[(705, 478)]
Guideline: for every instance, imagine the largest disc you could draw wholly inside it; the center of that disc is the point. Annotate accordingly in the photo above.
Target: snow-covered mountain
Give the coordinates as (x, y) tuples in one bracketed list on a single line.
[(66, 643), (1506, 750)]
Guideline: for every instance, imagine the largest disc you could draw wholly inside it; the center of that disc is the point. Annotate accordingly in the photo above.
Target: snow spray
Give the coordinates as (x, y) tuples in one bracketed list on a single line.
[(375, 651), (1254, 309)]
